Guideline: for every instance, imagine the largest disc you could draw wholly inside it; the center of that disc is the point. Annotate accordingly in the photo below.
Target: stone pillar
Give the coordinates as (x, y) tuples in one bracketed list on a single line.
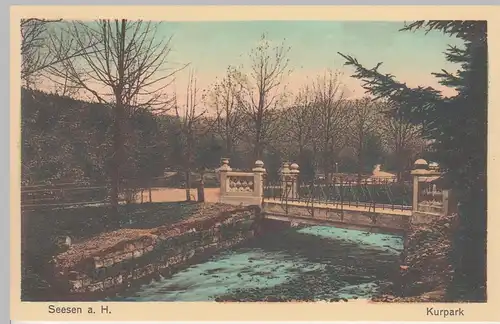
[(414, 203), (258, 178), (294, 174), (224, 181), (284, 180), (420, 167), (289, 179), (446, 202)]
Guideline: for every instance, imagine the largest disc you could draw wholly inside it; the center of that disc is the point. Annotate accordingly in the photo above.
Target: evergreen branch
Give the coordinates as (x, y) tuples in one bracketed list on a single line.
[(384, 86)]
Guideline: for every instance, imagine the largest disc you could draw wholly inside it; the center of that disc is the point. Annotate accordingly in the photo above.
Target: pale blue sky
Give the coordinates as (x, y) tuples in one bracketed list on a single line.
[(211, 46)]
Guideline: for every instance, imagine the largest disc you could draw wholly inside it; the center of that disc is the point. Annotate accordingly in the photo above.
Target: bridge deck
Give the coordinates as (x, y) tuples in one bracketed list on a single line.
[(324, 221), (351, 217), (335, 206)]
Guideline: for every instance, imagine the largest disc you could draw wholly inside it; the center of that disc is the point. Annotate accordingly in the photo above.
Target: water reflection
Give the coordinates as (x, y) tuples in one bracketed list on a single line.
[(389, 243)]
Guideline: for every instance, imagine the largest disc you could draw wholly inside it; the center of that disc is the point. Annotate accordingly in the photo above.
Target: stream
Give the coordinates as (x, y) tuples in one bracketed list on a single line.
[(310, 264)]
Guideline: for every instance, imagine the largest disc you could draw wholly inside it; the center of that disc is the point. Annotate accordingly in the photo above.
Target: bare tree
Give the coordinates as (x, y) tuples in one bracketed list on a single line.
[(262, 93), (297, 122), (189, 122), (121, 64), (35, 53), (401, 137), (333, 118), (365, 120), (301, 119), (38, 53), (223, 97), (66, 87)]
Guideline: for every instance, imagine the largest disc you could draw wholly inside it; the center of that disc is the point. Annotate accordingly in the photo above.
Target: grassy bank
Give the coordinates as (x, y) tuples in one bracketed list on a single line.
[(46, 230)]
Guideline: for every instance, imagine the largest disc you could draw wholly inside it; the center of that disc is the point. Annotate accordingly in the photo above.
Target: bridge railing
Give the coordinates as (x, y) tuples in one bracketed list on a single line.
[(422, 196), (371, 193), (429, 197), (60, 195), (241, 188)]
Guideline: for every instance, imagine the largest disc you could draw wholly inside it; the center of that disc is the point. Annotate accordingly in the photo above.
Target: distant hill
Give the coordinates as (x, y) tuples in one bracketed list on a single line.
[(63, 139)]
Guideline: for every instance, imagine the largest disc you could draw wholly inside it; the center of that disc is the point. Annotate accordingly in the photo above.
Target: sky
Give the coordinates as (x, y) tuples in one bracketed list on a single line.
[(210, 47)]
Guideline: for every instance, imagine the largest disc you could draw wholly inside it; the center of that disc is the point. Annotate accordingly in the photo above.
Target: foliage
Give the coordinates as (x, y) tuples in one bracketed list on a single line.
[(62, 139), (66, 140), (457, 127), (373, 152), (208, 152), (148, 151), (252, 116)]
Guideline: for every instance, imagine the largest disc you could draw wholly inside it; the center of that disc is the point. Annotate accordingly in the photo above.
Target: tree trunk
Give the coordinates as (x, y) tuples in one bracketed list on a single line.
[(314, 158), (360, 163), (400, 162), (201, 188), (117, 160), (229, 145), (326, 167), (258, 133), (257, 154), (188, 184), (118, 140)]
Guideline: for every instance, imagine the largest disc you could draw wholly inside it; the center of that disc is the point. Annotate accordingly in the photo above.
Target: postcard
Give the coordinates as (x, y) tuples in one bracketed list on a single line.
[(253, 163)]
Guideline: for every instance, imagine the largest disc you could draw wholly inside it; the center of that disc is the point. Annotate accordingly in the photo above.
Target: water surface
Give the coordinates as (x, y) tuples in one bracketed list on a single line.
[(311, 263)]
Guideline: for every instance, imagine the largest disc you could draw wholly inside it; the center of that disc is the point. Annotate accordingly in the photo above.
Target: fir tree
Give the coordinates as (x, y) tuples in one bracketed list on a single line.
[(457, 127)]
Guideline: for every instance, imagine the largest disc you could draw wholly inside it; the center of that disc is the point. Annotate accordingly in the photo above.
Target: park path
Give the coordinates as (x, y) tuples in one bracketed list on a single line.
[(174, 194)]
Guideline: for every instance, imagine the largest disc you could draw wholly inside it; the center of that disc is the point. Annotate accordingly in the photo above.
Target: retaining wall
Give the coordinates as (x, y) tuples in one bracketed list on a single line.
[(146, 253)]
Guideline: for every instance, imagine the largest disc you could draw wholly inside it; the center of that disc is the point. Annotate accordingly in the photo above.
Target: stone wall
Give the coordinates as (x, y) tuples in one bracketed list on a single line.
[(146, 253), (426, 272)]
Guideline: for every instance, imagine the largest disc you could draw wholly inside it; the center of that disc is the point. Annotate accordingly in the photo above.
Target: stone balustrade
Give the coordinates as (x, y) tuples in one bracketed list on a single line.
[(247, 188), (429, 199), (242, 188)]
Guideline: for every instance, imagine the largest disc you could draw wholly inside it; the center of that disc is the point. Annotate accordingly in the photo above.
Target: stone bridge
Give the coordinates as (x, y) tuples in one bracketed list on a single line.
[(247, 189)]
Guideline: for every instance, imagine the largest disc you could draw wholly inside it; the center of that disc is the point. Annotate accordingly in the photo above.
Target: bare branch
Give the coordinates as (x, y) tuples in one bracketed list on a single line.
[(123, 59), (120, 63), (223, 98), (260, 93)]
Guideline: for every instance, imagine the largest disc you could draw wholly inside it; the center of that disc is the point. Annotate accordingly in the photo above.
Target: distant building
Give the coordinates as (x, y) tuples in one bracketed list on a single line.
[(377, 173)]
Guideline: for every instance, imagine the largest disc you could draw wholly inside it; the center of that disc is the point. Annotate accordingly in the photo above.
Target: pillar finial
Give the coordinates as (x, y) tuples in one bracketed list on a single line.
[(225, 165), (259, 166)]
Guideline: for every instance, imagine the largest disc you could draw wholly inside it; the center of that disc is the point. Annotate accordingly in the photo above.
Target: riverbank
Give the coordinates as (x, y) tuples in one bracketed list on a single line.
[(192, 258), (425, 273), (154, 239)]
